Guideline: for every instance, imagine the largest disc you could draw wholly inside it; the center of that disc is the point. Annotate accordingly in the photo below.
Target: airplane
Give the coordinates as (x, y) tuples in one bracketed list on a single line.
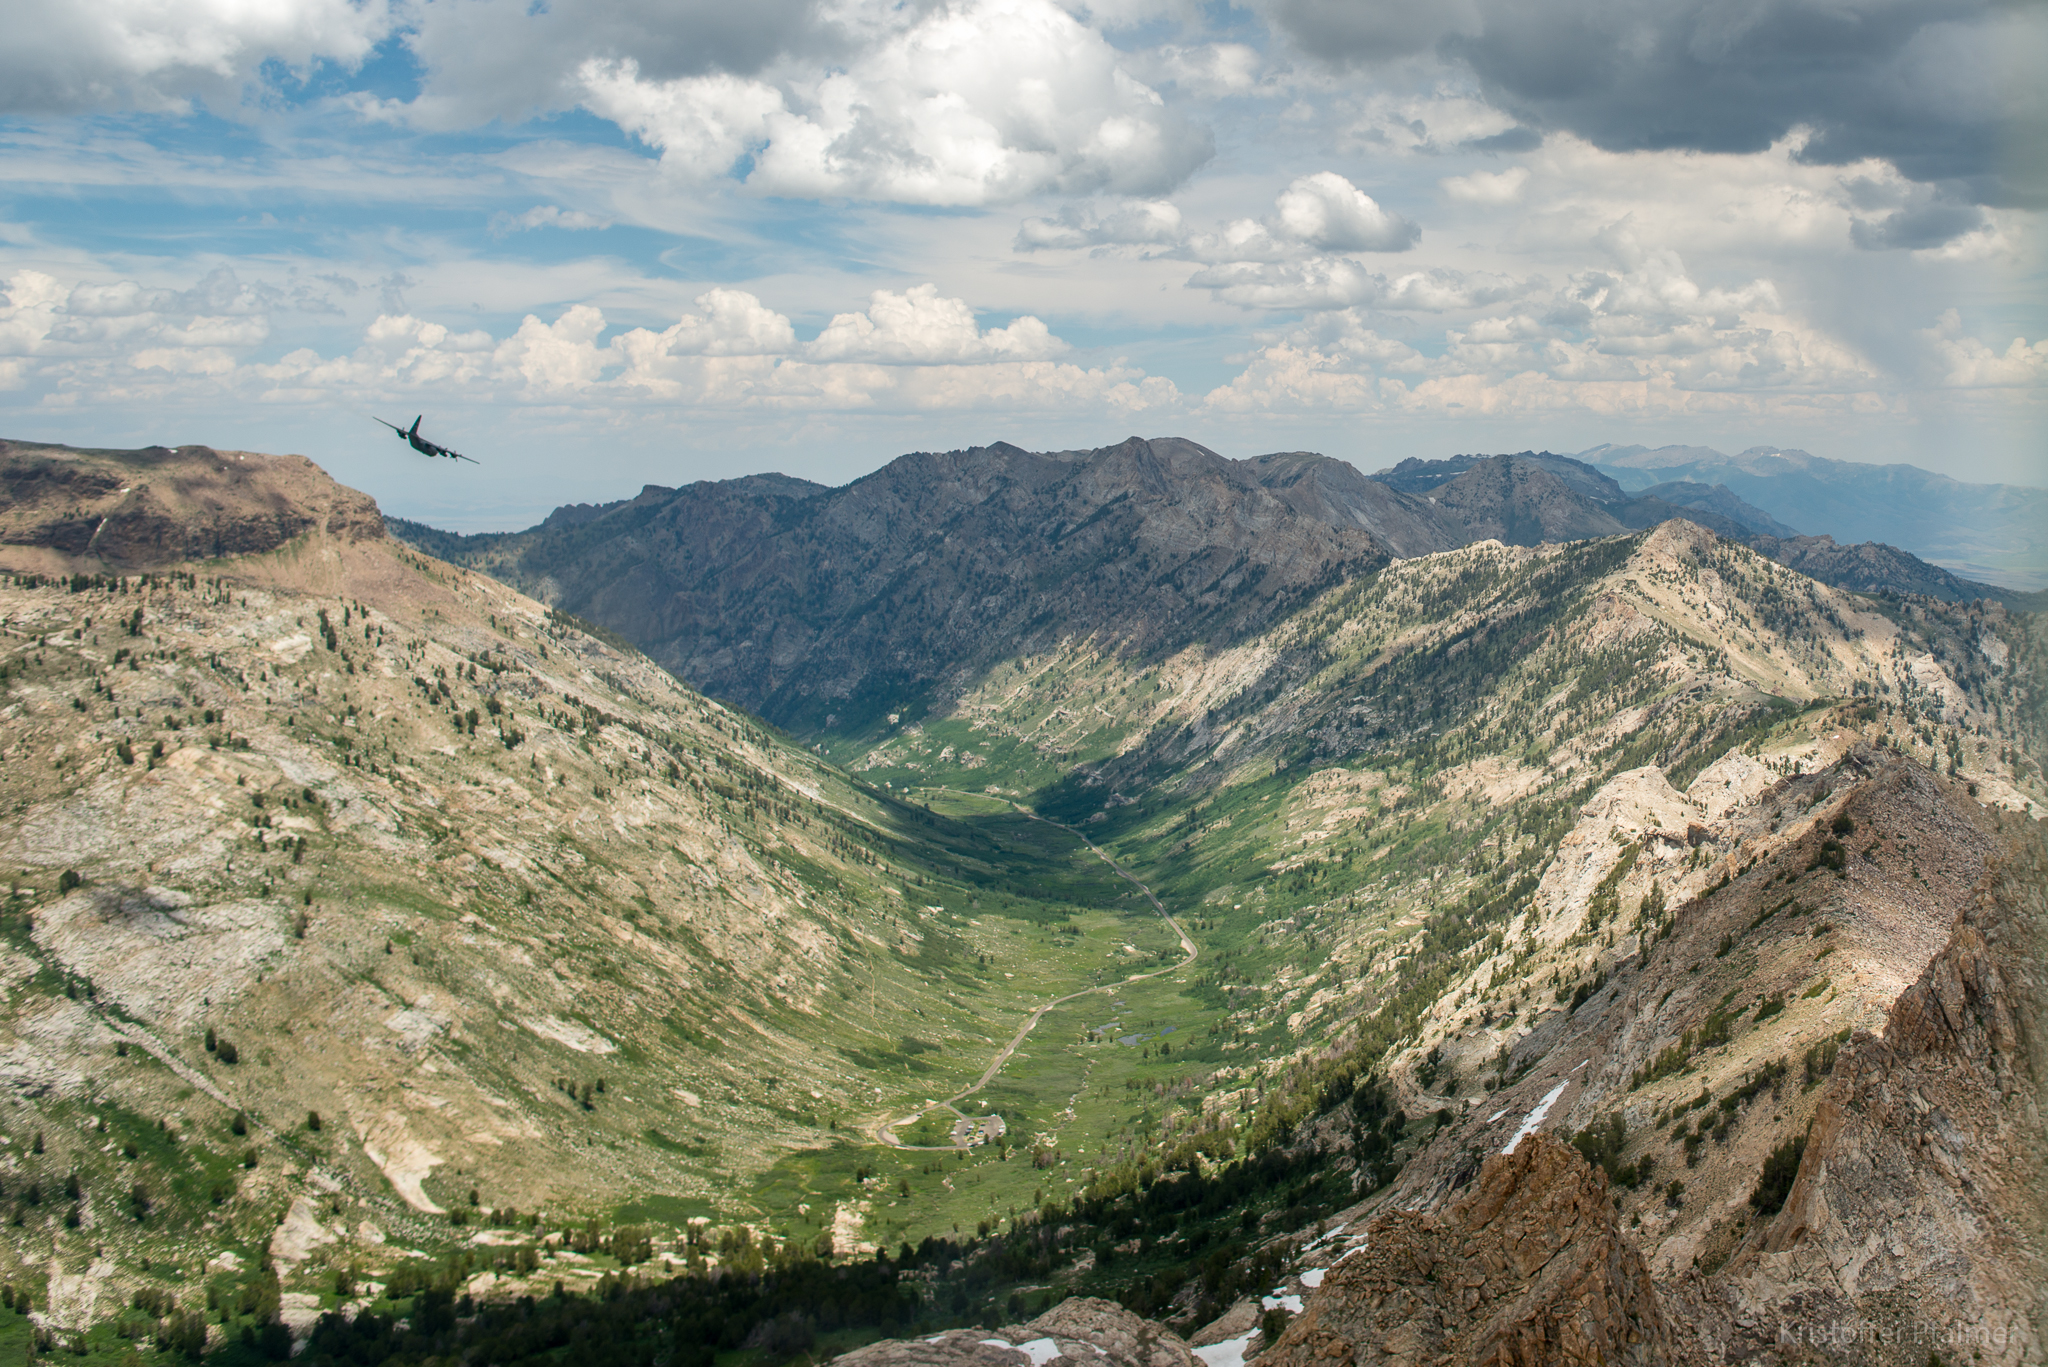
[(421, 444)]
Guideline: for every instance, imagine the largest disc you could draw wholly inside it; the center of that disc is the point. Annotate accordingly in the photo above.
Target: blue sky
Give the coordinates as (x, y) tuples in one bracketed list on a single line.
[(601, 243)]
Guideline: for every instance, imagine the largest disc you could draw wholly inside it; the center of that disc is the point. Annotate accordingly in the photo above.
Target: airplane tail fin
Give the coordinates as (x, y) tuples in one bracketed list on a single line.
[(415, 426)]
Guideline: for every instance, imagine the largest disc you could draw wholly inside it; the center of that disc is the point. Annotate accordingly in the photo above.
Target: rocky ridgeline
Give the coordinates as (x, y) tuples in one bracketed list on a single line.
[(64, 510), (824, 609)]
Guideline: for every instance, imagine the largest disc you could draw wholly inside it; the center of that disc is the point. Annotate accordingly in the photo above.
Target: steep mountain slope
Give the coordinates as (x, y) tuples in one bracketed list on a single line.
[(1701, 501), (825, 609), (1588, 835), (1931, 1136), (1520, 501), (1991, 532), (359, 889)]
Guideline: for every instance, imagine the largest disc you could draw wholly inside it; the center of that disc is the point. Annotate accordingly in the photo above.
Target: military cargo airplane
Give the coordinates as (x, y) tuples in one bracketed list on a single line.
[(420, 443)]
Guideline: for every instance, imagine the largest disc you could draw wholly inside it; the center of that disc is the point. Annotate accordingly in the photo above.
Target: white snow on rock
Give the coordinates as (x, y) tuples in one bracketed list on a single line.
[(1229, 1353), (1535, 1118)]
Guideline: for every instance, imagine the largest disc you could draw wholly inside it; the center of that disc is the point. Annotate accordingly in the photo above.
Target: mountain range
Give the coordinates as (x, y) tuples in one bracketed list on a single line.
[(1145, 905), (824, 609), (1997, 532)]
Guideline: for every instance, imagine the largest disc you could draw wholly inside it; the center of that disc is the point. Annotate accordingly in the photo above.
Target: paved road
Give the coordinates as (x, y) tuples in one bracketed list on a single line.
[(882, 1131)]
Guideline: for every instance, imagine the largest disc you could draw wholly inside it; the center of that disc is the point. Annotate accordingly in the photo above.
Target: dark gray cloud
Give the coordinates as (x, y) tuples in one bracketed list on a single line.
[(510, 58), (1946, 90), (1929, 222)]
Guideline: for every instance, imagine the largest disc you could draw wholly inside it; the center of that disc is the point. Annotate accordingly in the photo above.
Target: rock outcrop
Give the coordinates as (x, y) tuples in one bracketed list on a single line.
[(1082, 1332), (1921, 1205), (65, 510), (1530, 1267)]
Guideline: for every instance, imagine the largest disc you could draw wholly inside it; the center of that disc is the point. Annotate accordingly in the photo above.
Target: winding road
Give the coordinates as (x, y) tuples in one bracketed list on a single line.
[(882, 1131)]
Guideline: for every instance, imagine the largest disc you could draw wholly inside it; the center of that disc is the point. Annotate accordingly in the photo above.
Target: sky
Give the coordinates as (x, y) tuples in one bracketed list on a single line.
[(604, 243)]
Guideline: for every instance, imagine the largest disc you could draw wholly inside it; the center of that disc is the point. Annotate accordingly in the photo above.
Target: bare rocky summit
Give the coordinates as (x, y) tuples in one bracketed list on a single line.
[(130, 511)]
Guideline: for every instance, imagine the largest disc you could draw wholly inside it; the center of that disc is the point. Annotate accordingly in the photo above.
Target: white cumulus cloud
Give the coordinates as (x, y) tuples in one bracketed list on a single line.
[(1325, 210), (920, 326), (979, 102)]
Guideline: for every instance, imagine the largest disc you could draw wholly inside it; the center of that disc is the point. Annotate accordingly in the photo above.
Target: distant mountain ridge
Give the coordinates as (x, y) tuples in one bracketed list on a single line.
[(822, 607), (804, 603), (1532, 497), (1994, 531)]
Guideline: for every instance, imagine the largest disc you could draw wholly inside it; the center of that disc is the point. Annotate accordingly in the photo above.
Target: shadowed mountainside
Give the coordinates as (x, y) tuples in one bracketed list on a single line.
[(825, 609), (818, 606)]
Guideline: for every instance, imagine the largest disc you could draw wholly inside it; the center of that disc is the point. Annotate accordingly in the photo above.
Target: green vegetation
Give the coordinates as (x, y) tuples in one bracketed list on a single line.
[(1780, 1170)]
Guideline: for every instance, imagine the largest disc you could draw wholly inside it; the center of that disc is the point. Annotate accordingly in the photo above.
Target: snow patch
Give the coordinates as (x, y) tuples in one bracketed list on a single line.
[(1535, 1118), (1229, 1353)]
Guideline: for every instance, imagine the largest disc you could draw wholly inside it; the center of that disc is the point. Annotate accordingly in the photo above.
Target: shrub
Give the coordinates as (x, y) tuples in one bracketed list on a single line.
[(313, 1121), (184, 1333), (68, 880), (227, 1053), (1774, 1184)]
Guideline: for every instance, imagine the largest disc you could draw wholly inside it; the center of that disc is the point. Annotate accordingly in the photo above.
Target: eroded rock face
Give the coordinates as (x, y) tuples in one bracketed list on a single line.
[(143, 510), (1528, 1268), (1921, 1204), (1082, 1332)]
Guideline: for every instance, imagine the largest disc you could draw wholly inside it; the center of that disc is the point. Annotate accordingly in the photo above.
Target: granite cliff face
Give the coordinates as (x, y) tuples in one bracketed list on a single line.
[(65, 510)]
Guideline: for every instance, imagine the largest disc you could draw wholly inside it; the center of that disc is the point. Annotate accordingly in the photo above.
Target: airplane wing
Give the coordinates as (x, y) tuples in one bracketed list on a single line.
[(440, 450), (392, 425)]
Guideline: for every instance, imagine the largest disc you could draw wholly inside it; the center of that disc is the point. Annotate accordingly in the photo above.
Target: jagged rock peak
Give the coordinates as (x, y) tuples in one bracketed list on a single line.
[(1528, 1268)]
